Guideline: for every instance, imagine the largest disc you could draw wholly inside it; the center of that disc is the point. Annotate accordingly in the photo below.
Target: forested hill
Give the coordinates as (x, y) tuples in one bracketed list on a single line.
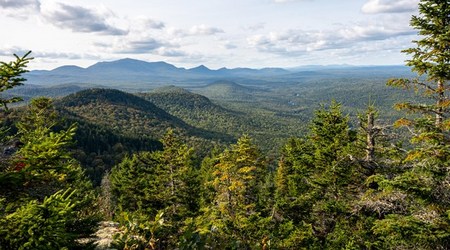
[(121, 112), (126, 114), (227, 90), (197, 110), (112, 123)]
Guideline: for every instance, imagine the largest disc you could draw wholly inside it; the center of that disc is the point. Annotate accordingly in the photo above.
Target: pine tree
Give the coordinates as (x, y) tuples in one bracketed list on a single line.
[(237, 176), (417, 200), (149, 184), (431, 58), (11, 76), (317, 181), (49, 187)]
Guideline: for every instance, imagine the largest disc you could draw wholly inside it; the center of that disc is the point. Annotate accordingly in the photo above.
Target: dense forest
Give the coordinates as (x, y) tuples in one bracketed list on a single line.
[(172, 177)]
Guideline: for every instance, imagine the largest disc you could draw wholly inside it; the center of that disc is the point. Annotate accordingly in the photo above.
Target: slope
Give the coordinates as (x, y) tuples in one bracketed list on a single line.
[(267, 128), (126, 114), (198, 110)]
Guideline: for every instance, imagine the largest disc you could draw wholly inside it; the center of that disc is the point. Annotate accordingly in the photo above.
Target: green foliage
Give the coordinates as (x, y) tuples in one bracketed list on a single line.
[(234, 214), (48, 203), (11, 76), (43, 225), (334, 188), (430, 58), (316, 180), (416, 195), (151, 182), (139, 231)]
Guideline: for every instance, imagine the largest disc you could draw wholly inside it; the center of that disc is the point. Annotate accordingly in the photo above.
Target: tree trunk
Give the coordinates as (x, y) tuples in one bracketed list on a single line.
[(440, 101), (370, 138)]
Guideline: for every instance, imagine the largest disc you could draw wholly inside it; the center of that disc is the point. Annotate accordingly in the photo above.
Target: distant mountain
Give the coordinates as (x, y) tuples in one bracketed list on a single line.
[(132, 66), (29, 91), (135, 74), (227, 90)]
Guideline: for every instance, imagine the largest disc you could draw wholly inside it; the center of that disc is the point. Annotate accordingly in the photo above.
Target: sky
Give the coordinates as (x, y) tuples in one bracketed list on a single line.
[(214, 33)]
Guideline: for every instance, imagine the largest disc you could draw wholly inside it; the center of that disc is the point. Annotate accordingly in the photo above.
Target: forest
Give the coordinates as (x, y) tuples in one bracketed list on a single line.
[(172, 169)]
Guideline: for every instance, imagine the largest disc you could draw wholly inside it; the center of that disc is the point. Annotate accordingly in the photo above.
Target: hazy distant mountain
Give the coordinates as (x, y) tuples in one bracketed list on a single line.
[(136, 73), (226, 90)]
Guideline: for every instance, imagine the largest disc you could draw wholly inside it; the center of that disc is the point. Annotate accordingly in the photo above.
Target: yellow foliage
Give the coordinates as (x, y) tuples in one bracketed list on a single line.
[(403, 122)]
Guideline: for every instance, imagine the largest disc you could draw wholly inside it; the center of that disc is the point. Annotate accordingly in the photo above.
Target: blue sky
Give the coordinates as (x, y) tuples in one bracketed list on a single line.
[(215, 33)]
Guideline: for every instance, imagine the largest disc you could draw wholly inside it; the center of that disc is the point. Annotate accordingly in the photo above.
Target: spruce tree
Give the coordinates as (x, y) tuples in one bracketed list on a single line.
[(430, 59), (413, 206), (317, 181), (159, 184), (11, 75), (47, 187), (238, 175)]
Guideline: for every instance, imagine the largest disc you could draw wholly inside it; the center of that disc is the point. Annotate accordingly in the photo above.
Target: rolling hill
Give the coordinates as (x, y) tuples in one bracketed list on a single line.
[(126, 114)]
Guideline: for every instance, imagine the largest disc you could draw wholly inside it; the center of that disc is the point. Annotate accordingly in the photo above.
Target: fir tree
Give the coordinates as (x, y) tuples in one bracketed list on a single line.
[(49, 187), (161, 183), (11, 76), (237, 178), (417, 200)]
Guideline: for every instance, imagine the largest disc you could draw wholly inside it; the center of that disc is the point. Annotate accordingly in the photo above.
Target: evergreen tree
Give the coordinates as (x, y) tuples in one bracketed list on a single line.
[(161, 183), (431, 59), (46, 186), (317, 181), (11, 76), (238, 175), (417, 200)]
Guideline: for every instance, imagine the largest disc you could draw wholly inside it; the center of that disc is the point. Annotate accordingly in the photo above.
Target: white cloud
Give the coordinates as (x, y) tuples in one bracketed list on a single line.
[(197, 30), (20, 9), (80, 19), (255, 27), (389, 6), (297, 42), (145, 23), (287, 1), (228, 45), (169, 52), (204, 30)]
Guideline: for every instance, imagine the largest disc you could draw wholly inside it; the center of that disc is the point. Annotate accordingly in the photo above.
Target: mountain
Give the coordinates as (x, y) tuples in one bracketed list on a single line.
[(137, 75), (198, 110), (226, 90), (29, 91), (126, 114), (132, 66)]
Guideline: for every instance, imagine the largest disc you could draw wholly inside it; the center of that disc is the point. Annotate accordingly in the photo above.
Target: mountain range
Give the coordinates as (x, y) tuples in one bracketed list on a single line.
[(133, 71), (131, 74)]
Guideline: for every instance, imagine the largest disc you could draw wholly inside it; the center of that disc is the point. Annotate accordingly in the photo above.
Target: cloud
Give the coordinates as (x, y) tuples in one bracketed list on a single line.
[(19, 4), (228, 45), (20, 9), (80, 19), (38, 55), (389, 6), (255, 27), (10, 51), (289, 1), (168, 52), (204, 30), (298, 42), (145, 23), (197, 30), (142, 45)]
